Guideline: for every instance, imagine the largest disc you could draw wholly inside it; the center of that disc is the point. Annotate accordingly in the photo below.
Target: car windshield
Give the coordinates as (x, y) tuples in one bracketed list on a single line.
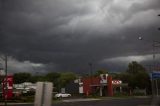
[(80, 52)]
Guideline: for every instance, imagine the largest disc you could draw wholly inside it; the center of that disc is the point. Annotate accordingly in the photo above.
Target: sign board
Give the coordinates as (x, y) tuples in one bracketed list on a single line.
[(7, 86), (43, 95), (116, 82), (81, 87), (155, 75), (103, 78)]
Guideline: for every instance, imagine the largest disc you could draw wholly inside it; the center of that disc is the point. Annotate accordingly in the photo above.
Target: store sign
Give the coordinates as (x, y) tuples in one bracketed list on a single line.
[(115, 82), (7, 86), (103, 78)]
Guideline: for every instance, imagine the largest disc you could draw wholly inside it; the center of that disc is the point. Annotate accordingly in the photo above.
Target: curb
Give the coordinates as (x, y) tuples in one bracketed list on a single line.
[(2, 104)]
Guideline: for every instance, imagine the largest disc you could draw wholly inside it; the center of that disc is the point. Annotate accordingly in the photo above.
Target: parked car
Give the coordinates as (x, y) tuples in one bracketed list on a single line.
[(62, 95)]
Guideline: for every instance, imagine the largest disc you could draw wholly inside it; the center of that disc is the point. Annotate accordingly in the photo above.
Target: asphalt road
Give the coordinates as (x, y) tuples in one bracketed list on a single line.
[(104, 102), (110, 102)]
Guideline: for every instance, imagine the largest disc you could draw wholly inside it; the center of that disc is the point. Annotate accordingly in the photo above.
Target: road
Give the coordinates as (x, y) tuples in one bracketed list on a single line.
[(97, 102)]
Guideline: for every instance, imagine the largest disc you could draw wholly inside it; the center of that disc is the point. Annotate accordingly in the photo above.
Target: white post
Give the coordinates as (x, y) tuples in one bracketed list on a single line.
[(43, 95), (120, 89), (101, 91)]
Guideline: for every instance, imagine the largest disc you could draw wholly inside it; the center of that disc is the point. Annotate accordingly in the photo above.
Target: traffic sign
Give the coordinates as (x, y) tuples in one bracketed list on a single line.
[(155, 75)]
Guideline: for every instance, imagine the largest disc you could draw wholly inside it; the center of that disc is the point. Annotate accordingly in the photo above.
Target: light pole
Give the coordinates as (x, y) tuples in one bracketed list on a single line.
[(91, 69), (91, 76), (159, 16), (154, 82), (5, 58), (155, 45)]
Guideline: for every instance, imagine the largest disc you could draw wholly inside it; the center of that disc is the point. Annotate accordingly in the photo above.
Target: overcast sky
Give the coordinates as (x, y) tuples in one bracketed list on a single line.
[(65, 35)]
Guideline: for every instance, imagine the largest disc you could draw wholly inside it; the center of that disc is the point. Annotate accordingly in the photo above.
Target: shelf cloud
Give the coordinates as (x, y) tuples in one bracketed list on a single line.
[(64, 35)]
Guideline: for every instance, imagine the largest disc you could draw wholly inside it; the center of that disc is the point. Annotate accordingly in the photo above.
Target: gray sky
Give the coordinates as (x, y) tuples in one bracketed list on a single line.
[(65, 35)]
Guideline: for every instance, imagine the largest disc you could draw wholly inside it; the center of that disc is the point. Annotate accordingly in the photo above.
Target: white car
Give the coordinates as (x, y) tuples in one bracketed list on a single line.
[(62, 95)]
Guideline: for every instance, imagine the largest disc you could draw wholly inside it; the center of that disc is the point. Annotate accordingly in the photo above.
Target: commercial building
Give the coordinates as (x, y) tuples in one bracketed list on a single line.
[(103, 85)]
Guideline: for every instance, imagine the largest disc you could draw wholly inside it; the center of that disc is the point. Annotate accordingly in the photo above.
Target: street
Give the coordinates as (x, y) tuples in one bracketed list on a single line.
[(100, 102)]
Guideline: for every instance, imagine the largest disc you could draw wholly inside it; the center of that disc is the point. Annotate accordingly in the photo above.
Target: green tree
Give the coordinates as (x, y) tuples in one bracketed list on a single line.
[(66, 78), (123, 76), (53, 77), (136, 76), (134, 68), (99, 72), (21, 77), (37, 78)]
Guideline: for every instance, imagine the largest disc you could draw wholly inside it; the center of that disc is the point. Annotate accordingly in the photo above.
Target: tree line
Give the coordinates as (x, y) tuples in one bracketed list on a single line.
[(58, 79), (135, 75)]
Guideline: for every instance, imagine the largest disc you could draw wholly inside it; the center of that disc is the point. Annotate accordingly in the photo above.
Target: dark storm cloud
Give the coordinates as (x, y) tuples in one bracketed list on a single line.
[(67, 34)]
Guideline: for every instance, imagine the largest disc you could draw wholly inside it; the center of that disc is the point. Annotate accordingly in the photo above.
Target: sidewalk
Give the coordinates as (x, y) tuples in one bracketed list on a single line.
[(80, 100), (2, 104)]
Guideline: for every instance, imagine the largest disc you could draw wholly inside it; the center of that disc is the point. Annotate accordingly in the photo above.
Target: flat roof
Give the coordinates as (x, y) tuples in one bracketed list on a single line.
[(114, 85)]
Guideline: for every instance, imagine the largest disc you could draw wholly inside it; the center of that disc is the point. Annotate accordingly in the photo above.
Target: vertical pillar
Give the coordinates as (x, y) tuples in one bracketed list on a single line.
[(100, 91), (43, 95), (110, 87), (120, 89)]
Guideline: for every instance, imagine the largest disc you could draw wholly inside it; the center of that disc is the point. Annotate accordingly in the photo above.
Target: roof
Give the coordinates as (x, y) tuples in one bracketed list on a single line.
[(114, 85)]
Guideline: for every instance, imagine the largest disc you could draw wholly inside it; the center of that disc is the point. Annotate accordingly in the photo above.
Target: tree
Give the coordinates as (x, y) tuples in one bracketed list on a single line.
[(134, 68), (53, 77), (37, 78), (136, 76), (66, 78), (21, 77), (99, 72), (124, 77)]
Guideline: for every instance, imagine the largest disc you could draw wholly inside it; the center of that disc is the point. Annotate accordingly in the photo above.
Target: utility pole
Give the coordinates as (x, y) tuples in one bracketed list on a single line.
[(159, 16), (91, 73), (155, 89), (5, 80), (91, 76)]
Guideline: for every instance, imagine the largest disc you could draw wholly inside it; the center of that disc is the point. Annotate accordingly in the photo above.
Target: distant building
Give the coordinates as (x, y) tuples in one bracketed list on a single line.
[(102, 86), (24, 87)]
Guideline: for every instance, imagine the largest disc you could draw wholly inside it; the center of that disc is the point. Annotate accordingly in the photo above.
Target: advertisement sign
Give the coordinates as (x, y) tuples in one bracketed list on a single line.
[(7, 86), (116, 82), (103, 78)]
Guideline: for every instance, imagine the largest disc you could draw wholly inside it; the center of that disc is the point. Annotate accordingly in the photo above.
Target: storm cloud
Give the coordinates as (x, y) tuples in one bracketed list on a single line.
[(65, 35)]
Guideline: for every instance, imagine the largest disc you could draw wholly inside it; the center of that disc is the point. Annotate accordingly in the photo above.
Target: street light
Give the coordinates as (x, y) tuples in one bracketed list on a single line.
[(90, 64), (159, 16), (91, 73), (155, 44)]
